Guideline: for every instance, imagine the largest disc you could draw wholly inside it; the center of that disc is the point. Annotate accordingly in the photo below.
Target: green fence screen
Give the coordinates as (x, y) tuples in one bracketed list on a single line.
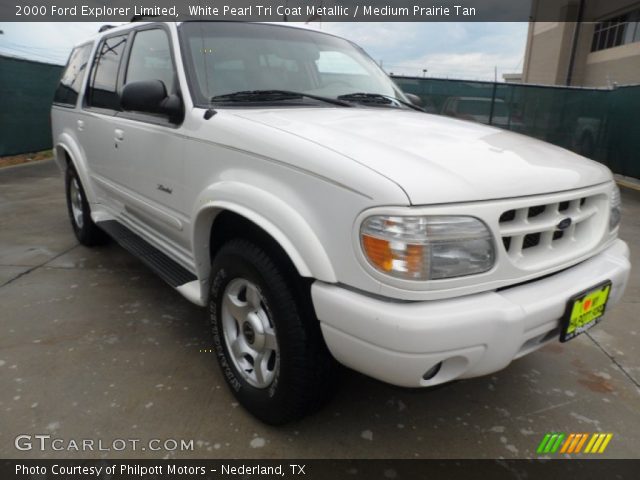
[(601, 124), (26, 93)]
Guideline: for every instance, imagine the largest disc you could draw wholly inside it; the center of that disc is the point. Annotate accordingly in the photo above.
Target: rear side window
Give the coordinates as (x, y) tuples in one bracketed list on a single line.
[(71, 81), (150, 58), (104, 77)]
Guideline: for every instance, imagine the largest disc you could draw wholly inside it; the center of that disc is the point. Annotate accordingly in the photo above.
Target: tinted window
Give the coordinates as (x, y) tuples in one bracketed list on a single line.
[(71, 81), (150, 58), (102, 90)]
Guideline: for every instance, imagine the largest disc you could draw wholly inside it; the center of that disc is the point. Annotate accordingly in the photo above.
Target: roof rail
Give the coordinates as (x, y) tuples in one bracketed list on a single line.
[(104, 28), (141, 18)]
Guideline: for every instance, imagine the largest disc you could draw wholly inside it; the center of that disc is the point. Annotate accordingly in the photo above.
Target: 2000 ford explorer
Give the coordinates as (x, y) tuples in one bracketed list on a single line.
[(278, 176)]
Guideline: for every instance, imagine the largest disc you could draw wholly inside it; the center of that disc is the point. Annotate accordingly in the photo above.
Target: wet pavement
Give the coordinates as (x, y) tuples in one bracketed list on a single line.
[(94, 346)]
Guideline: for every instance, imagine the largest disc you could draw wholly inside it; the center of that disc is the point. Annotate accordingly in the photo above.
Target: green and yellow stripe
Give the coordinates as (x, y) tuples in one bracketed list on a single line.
[(550, 443), (598, 442), (574, 443)]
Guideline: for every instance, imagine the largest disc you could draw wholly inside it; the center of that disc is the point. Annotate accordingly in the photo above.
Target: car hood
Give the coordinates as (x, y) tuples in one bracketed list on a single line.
[(436, 159)]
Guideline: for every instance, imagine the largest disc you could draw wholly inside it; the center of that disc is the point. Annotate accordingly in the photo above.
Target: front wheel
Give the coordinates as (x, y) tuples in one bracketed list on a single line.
[(267, 340)]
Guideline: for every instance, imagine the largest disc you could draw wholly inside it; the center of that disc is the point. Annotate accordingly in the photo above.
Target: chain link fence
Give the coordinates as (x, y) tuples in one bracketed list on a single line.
[(602, 124), (26, 93)]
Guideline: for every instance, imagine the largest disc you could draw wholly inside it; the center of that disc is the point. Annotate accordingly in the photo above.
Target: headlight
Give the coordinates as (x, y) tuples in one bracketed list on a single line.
[(427, 248), (614, 216)]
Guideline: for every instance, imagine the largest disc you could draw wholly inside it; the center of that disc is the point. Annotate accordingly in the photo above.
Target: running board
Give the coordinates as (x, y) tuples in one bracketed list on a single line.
[(169, 270)]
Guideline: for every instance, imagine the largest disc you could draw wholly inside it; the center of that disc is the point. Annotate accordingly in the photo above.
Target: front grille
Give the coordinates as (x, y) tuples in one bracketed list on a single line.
[(536, 211), (531, 240), (538, 233)]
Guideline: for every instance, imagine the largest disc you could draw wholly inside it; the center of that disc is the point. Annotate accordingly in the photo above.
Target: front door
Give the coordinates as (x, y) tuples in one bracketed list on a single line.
[(151, 146)]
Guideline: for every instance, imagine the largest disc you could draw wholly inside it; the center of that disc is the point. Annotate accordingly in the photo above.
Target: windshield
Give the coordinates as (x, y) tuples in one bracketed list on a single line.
[(224, 58)]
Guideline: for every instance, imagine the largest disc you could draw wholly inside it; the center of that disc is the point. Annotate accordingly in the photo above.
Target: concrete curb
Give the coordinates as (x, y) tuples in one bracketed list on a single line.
[(25, 164), (627, 182)]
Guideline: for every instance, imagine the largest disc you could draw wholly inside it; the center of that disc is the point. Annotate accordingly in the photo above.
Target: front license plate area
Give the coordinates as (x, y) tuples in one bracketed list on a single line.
[(584, 310)]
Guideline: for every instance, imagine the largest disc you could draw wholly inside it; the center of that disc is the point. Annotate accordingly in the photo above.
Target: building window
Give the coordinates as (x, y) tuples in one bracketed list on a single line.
[(616, 31)]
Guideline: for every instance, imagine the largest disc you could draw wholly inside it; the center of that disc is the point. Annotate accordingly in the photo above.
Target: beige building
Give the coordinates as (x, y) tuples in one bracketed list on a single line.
[(512, 77), (598, 44)]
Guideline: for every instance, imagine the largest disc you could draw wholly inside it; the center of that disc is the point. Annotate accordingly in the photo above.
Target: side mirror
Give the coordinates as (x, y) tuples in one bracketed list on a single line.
[(415, 99), (150, 96)]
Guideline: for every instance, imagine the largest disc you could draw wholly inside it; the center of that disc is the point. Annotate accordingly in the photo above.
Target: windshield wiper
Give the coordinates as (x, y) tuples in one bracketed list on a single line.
[(376, 99), (249, 96)]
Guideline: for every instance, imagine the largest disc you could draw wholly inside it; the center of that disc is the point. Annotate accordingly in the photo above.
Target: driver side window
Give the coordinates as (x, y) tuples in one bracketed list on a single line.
[(150, 59)]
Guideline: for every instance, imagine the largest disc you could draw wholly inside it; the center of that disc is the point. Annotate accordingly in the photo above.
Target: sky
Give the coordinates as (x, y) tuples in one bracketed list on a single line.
[(466, 50)]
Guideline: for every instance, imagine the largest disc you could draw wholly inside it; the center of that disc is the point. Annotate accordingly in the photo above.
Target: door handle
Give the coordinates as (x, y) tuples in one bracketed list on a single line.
[(119, 135), (80, 124)]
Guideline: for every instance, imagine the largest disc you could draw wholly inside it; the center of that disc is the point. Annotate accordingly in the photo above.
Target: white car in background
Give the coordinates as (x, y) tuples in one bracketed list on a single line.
[(277, 176)]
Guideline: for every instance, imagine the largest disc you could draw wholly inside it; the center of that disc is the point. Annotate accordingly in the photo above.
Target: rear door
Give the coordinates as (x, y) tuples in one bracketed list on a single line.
[(65, 119), (97, 125)]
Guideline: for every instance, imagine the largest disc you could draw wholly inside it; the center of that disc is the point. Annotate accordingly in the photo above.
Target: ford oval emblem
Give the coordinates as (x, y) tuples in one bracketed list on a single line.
[(564, 224)]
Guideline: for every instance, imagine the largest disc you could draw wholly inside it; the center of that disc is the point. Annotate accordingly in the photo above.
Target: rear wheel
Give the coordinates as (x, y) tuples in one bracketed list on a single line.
[(267, 339), (85, 229)]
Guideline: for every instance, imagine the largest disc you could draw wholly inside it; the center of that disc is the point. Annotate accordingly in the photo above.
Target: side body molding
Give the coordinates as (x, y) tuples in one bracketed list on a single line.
[(278, 218)]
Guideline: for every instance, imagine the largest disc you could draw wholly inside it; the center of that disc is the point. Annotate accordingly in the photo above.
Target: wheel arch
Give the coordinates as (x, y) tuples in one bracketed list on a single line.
[(62, 157), (67, 153), (268, 217)]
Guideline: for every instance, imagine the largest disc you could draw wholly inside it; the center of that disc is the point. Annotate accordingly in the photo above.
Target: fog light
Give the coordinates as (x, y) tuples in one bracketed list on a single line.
[(432, 372)]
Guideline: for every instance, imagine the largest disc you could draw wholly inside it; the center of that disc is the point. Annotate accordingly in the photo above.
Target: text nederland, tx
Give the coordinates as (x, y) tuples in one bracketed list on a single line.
[(170, 469)]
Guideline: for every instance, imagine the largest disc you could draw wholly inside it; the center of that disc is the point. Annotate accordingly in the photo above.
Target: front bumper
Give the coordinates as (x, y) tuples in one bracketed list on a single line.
[(398, 342)]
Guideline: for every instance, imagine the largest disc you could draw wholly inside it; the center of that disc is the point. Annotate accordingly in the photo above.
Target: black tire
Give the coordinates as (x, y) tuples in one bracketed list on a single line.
[(303, 372), (86, 231)]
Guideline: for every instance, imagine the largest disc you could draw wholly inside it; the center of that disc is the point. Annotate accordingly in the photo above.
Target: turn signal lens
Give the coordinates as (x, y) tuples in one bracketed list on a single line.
[(387, 256), (425, 248), (379, 252)]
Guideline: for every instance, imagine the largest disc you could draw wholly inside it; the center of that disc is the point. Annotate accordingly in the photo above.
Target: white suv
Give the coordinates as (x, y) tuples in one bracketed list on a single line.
[(279, 177)]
